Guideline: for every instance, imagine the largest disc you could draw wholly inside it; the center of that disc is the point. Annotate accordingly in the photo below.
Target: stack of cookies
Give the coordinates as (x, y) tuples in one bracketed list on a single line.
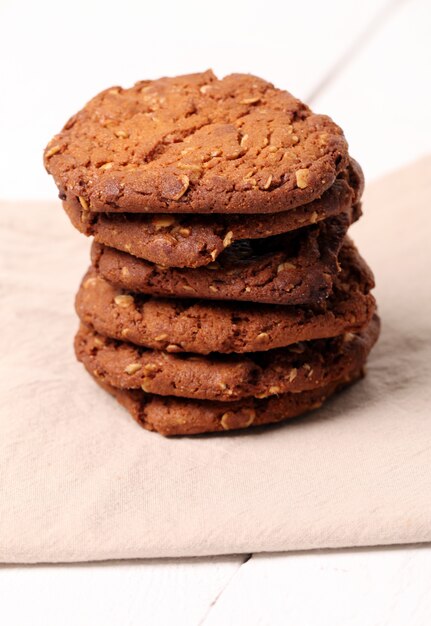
[(224, 291)]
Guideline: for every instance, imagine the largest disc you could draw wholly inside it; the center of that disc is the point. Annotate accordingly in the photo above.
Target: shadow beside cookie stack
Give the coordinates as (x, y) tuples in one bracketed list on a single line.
[(224, 291)]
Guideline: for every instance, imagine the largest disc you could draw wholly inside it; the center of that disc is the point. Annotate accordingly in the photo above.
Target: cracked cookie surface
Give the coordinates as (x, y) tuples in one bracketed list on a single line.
[(196, 144)]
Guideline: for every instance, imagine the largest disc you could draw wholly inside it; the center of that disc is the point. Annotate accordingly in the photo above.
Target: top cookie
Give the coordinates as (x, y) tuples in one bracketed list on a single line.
[(196, 144)]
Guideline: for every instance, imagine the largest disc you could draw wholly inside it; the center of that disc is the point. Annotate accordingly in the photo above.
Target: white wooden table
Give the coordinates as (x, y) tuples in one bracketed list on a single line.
[(367, 65)]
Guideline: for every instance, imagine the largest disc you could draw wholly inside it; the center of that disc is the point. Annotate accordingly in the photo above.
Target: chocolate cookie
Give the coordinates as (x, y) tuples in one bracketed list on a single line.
[(226, 378), (294, 268), (196, 144), (193, 241), (180, 416), (204, 327)]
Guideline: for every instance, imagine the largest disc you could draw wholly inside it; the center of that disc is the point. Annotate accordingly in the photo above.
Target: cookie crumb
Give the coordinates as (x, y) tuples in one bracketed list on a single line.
[(145, 386), (150, 367), (83, 202), (132, 368), (347, 337), (90, 282), (161, 337), (268, 182), (124, 301), (302, 177), (274, 389), (163, 221), (185, 182), (172, 347), (228, 239), (243, 140), (52, 151), (285, 266), (230, 420), (293, 374), (250, 100)]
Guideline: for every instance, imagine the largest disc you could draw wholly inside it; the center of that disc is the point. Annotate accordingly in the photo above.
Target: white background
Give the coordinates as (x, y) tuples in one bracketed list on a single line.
[(367, 64)]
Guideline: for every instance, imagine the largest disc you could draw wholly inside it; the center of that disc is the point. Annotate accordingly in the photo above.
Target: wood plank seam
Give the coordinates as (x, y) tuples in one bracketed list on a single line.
[(372, 28), (246, 558)]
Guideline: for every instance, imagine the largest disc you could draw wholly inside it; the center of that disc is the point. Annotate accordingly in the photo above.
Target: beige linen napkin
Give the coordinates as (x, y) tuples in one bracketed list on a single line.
[(79, 480)]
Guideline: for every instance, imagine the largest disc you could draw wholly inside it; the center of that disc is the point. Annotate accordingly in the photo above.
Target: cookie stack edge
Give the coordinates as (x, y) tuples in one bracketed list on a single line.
[(224, 291)]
